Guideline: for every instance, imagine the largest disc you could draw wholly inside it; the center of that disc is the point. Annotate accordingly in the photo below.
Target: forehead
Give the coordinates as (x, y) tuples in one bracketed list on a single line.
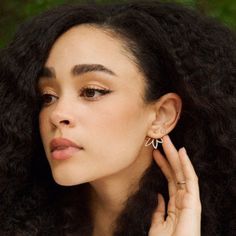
[(91, 45), (88, 44)]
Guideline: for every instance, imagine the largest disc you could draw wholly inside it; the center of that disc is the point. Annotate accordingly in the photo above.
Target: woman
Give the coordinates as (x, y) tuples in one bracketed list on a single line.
[(96, 89)]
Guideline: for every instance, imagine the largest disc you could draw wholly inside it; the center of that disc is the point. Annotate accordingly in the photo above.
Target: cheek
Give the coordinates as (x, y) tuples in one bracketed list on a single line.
[(43, 126), (42, 121), (118, 132)]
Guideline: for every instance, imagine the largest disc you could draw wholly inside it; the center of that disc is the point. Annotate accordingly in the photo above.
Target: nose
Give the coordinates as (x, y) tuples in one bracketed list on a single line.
[(62, 116)]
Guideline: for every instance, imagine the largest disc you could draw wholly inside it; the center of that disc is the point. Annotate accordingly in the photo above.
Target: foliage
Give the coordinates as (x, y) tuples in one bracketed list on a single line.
[(13, 12)]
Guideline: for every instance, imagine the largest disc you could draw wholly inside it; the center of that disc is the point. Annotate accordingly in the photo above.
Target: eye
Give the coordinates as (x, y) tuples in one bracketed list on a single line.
[(93, 93), (48, 99)]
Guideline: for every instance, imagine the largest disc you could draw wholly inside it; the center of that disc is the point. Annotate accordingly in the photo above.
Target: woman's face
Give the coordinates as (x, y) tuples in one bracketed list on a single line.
[(93, 96)]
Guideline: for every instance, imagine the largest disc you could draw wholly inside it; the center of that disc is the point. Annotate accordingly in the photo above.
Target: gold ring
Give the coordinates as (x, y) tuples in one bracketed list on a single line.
[(181, 182)]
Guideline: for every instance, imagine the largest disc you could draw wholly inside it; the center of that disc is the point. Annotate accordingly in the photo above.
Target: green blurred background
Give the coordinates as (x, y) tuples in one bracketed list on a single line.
[(14, 12)]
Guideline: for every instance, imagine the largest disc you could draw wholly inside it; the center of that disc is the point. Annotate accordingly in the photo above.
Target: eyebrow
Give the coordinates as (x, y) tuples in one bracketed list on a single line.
[(85, 68), (48, 72)]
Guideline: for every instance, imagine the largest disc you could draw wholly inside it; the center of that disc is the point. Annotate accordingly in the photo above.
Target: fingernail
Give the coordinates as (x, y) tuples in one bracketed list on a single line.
[(184, 150)]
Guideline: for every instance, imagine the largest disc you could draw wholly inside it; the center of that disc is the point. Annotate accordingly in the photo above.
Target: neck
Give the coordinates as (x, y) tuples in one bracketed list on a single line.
[(109, 194)]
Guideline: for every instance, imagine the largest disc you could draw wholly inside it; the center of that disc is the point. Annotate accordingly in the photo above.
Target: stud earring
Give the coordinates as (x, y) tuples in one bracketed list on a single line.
[(154, 142)]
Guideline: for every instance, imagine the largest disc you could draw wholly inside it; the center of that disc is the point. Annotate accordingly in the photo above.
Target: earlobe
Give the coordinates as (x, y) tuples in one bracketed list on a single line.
[(156, 131)]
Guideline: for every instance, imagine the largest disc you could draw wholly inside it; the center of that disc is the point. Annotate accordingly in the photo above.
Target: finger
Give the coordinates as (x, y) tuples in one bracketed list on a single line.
[(172, 156), (189, 173), (159, 214), (171, 210), (166, 170)]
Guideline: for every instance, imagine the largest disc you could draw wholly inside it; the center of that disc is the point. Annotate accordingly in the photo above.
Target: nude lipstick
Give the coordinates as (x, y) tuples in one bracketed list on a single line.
[(62, 148)]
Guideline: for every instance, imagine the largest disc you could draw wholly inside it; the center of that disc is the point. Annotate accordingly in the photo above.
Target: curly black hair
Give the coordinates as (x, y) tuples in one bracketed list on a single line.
[(178, 50)]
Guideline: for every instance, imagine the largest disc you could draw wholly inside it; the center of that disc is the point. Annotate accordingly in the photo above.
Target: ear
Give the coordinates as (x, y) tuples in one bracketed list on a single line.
[(165, 113)]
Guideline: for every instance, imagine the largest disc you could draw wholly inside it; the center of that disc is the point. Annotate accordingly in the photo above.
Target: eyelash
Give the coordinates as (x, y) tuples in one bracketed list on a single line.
[(93, 89), (81, 94)]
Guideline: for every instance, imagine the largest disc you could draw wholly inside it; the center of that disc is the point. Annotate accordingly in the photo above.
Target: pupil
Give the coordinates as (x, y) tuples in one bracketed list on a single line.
[(47, 98), (90, 93)]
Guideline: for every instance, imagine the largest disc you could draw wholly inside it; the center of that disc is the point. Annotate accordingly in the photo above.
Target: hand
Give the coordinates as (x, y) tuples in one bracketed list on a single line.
[(184, 206)]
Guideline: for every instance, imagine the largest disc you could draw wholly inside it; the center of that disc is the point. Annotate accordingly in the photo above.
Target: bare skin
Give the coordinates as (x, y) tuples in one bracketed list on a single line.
[(184, 207), (102, 111)]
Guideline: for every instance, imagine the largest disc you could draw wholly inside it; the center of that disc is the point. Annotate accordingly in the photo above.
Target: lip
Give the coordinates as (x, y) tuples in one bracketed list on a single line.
[(62, 148)]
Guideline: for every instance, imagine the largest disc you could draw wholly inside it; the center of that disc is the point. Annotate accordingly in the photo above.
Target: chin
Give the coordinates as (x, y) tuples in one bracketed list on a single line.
[(65, 180)]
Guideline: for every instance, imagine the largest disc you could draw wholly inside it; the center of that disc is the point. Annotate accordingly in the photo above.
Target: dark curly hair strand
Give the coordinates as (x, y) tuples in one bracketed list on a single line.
[(178, 50)]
